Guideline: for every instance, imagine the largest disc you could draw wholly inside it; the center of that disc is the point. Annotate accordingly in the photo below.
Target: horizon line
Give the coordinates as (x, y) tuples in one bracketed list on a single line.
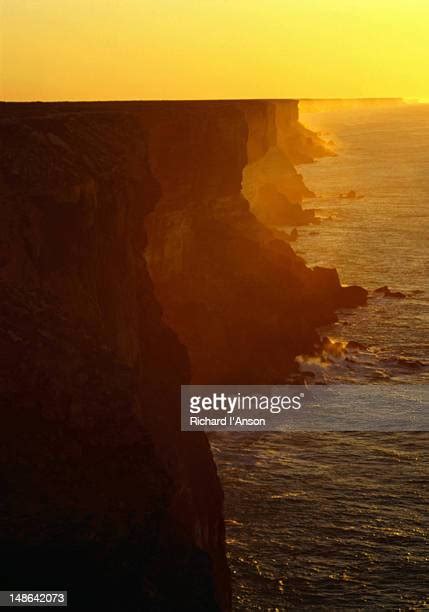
[(238, 99)]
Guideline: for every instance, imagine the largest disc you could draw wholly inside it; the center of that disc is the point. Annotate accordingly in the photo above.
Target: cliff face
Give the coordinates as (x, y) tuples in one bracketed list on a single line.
[(276, 142), (239, 298), (130, 262), (99, 484)]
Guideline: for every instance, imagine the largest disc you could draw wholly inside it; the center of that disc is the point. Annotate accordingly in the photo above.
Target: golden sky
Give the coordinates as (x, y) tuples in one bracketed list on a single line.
[(138, 49)]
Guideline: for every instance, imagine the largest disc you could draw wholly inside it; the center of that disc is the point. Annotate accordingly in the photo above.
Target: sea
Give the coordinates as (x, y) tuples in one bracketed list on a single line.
[(340, 521)]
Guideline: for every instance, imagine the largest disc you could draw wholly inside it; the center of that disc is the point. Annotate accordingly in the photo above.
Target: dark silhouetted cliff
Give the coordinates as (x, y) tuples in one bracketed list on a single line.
[(98, 484), (130, 261)]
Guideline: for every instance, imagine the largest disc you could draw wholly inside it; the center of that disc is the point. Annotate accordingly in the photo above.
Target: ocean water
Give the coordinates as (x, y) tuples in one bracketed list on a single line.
[(380, 238), (338, 521)]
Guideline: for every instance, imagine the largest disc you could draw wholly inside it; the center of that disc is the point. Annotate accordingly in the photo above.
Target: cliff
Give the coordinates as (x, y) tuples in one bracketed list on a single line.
[(240, 299), (98, 484), (276, 143), (130, 263)]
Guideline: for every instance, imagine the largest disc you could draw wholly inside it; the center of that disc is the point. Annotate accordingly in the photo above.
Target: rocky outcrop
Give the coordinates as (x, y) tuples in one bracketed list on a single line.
[(386, 292)]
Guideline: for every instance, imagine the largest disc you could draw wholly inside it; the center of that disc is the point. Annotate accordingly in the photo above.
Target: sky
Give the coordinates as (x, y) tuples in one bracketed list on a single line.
[(198, 49)]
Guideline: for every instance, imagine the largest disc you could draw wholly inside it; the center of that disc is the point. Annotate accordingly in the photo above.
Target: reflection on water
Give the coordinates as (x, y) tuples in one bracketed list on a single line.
[(336, 521), (327, 521)]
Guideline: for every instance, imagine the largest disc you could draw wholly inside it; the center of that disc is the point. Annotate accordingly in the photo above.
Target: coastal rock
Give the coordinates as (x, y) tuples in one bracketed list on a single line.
[(386, 292), (353, 296), (340, 297), (331, 348), (351, 195)]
